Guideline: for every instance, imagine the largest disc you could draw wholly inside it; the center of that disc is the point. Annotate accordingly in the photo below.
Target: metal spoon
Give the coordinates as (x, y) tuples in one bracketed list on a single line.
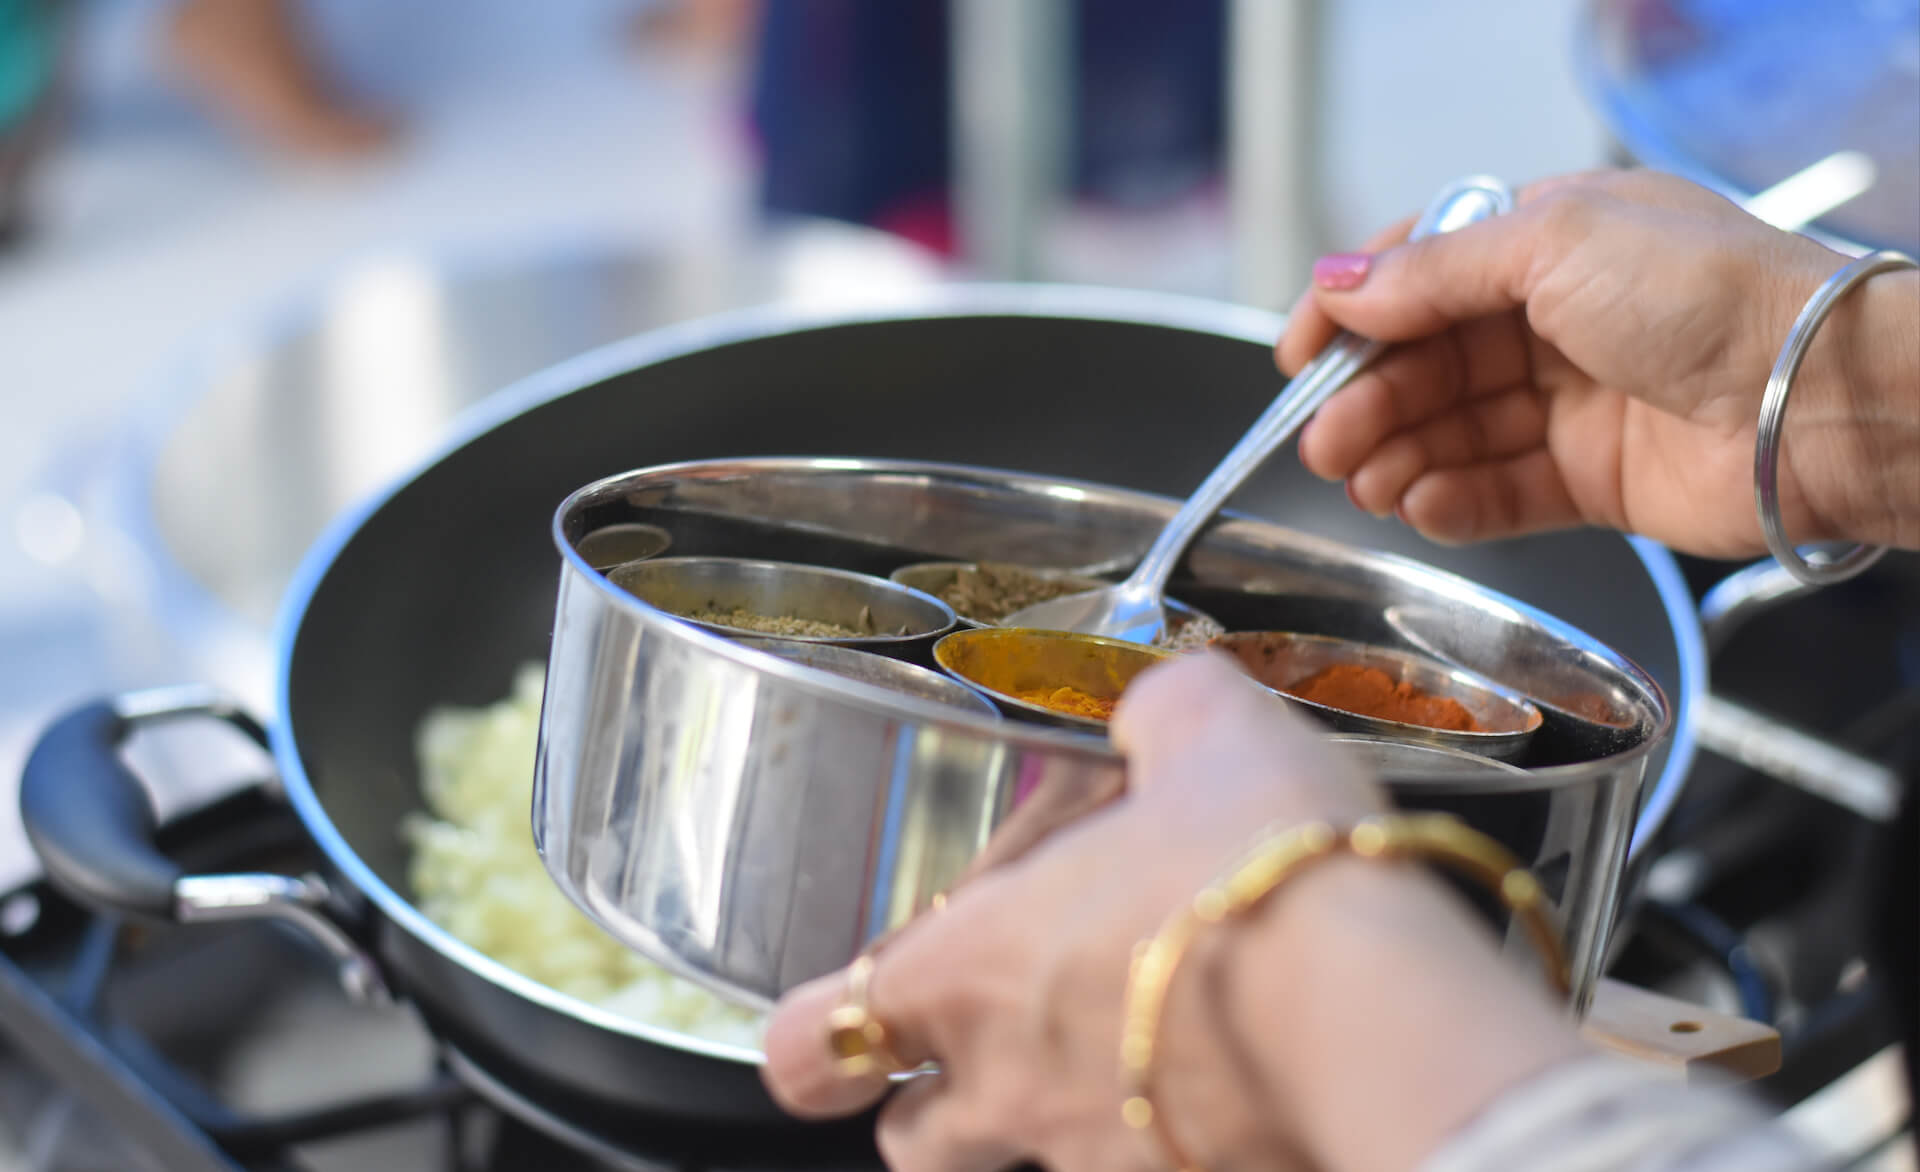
[(1135, 610)]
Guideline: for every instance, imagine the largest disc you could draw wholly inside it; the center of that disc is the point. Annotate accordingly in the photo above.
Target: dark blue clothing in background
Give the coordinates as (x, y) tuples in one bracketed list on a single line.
[(850, 105), (850, 102)]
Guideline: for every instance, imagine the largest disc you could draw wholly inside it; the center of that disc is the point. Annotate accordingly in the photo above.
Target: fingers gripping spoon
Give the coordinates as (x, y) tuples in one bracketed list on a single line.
[(1135, 609)]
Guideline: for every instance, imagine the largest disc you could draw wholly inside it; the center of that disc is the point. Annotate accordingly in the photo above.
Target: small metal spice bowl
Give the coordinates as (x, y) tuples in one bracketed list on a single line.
[(936, 578), (1004, 661), (880, 671), (1283, 659), (1564, 683), (615, 545), (887, 616)]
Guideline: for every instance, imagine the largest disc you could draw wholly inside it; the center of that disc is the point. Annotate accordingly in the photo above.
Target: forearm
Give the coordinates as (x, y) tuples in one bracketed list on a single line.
[(1853, 427), (1373, 1010)]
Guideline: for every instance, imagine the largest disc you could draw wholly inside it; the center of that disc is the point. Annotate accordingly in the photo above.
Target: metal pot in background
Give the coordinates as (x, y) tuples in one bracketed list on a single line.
[(1814, 107), (1790, 756), (270, 429)]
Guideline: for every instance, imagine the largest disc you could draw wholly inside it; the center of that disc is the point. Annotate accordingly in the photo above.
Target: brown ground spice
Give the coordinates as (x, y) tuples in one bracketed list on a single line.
[(989, 592), (1372, 692), (771, 624)]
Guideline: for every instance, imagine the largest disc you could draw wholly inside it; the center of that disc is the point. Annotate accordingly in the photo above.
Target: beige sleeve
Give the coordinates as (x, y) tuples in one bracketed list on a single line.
[(1600, 1114)]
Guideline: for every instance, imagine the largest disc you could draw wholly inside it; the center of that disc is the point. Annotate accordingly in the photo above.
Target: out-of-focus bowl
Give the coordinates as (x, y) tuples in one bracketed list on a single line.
[(270, 426)]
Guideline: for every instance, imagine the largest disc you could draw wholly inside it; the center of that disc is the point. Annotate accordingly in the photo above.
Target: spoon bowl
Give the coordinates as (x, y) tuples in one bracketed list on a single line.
[(1133, 612), (936, 578)]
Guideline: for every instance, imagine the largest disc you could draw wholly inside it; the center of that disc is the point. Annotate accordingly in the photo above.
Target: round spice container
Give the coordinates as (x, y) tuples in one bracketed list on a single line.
[(615, 545), (1381, 691), (785, 600), (984, 593), (1050, 676), (1561, 681)]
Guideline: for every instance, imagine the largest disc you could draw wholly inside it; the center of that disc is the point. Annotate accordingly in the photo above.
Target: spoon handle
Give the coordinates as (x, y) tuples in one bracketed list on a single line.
[(1463, 202)]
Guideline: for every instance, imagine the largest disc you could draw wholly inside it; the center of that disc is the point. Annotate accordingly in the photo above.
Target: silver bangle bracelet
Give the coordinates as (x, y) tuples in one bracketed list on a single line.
[(1823, 570)]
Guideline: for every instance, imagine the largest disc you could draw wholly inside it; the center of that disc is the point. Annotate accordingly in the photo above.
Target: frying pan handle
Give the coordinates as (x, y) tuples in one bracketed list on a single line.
[(1799, 759), (1684, 1039), (1763, 743), (93, 825), (1745, 594)]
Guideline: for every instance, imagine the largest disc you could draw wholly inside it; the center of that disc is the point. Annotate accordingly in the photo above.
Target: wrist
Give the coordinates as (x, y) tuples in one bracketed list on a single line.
[(1367, 991), (1852, 440)]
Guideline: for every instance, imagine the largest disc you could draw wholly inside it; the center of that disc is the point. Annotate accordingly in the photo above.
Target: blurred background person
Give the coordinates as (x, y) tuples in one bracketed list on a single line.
[(326, 78), (32, 46), (320, 78), (250, 62), (852, 112)]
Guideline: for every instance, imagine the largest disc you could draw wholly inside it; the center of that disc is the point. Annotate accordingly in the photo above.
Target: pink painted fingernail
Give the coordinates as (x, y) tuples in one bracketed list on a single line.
[(1341, 270)]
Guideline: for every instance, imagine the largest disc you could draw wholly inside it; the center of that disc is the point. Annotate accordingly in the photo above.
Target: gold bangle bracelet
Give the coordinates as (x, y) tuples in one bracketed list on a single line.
[(1274, 859)]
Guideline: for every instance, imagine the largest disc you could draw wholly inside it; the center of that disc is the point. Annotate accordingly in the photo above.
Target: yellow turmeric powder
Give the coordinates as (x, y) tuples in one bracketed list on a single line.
[(1069, 700)]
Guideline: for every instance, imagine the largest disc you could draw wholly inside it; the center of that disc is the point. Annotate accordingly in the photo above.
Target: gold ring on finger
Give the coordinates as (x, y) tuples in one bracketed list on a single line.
[(856, 1038)]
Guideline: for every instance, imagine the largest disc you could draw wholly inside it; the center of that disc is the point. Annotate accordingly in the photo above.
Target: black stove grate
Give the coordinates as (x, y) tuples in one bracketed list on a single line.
[(127, 1022)]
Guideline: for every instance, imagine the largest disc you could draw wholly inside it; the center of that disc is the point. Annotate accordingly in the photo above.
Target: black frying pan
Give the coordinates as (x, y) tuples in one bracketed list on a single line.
[(434, 594)]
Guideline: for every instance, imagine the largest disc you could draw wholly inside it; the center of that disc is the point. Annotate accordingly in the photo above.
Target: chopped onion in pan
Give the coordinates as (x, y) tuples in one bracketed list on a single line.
[(476, 874)]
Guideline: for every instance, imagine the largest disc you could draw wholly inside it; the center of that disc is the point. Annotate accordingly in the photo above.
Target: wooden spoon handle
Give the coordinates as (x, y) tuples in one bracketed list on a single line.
[(1679, 1037)]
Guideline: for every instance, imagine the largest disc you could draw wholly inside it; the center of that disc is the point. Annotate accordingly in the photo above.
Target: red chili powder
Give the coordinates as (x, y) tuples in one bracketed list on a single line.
[(1372, 692)]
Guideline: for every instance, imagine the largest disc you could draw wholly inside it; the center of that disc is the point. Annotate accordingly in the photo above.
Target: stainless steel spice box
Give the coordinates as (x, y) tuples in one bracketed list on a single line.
[(751, 822)]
